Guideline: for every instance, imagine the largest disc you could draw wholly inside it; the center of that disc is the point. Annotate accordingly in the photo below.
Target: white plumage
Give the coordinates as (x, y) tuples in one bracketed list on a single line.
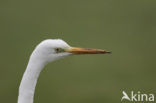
[(47, 51)]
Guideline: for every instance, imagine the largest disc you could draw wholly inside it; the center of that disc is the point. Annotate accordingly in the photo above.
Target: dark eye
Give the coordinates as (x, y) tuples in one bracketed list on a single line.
[(59, 50)]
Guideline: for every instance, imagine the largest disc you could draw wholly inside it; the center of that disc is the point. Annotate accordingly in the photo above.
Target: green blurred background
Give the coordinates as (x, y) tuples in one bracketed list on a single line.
[(125, 27)]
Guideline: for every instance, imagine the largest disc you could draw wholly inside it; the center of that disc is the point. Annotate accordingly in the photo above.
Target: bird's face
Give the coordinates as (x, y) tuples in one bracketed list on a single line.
[(53, 49)]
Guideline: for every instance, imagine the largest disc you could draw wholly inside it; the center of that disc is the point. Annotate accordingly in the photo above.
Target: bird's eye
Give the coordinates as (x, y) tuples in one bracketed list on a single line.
[(59, 50)]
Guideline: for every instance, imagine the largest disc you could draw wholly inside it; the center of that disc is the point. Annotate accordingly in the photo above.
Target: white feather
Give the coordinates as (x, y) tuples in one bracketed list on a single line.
[(43, 53)]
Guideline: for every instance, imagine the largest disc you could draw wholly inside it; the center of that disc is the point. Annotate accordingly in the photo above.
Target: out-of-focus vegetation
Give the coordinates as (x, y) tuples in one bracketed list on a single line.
[(125, 27)]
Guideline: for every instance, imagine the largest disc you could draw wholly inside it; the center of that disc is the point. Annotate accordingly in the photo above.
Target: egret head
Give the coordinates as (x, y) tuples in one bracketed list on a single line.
[(53, 49)]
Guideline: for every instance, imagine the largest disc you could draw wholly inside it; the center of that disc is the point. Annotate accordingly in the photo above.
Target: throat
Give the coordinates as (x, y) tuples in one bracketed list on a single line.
[(29, 80)]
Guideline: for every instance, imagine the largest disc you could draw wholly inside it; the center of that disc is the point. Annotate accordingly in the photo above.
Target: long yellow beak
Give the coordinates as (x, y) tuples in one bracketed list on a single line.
[(76, 50)]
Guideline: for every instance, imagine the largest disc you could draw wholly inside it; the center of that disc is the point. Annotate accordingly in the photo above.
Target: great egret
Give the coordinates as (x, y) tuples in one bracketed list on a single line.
[(47, 51)]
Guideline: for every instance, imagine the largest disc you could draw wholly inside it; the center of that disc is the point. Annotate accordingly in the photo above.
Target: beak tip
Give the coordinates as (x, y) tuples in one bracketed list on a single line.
[(107, 52)]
